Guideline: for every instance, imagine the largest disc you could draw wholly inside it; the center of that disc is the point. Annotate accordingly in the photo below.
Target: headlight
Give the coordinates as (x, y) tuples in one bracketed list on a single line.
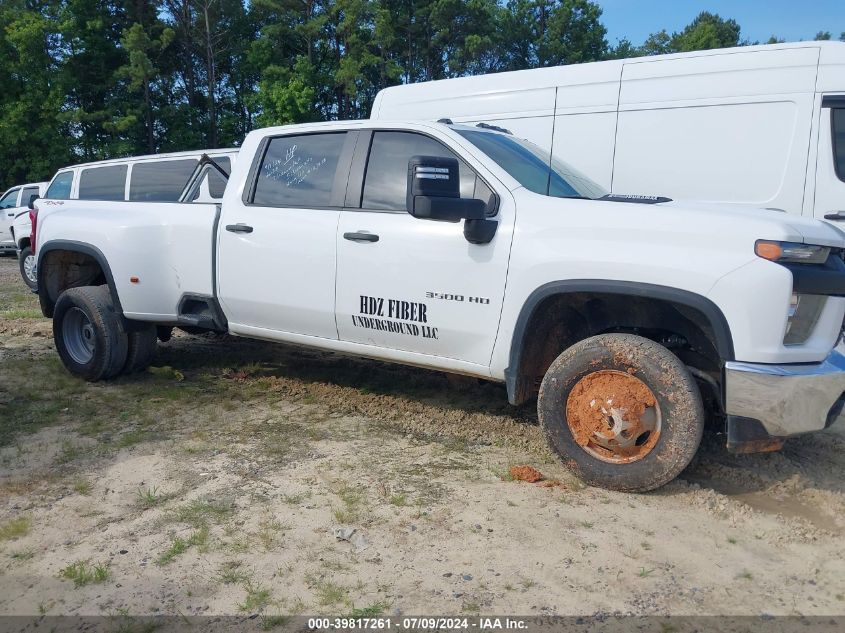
[(804, 311), (791, 252)]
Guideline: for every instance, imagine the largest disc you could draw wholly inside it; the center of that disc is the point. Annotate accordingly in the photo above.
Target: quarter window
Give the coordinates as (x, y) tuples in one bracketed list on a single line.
[(160, 180), (10, 199), (60, 187), (216, 182), (299, 171), (838, 122), (103, 183), (27, 194), (386, 181)]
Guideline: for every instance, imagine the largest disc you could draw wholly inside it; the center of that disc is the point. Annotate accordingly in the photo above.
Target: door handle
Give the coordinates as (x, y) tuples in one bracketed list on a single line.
[(239, 228), (836, 215), (361, 236)]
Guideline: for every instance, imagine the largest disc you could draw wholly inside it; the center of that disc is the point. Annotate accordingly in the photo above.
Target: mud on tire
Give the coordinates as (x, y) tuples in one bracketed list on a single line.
[(88, 333), (641, 445)]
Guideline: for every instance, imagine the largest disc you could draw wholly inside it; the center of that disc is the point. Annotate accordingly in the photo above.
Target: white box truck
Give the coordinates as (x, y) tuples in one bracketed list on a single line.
[(756, 125)]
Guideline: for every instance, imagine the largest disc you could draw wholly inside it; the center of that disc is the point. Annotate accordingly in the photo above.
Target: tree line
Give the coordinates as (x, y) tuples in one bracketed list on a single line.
[(85, 80)]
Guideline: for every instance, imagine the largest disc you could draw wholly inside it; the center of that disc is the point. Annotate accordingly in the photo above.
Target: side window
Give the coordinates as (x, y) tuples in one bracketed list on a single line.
[(160, 180), (299, 171), (27, 194), (103, 183), (10, 199), (216, 182), (838, 124), (60, 187), (386, 179)]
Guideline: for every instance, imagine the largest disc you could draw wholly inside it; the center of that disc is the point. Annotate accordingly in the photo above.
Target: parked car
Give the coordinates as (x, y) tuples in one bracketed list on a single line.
[(153, 178), (13, 203), (756, 125), (464, 249)]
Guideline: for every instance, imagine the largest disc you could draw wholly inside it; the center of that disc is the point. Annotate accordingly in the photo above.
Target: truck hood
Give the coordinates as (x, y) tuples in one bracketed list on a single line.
[(772, 222)]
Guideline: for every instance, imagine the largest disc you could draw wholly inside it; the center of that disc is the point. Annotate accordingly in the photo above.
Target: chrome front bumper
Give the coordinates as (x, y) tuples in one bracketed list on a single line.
[(787, 399)]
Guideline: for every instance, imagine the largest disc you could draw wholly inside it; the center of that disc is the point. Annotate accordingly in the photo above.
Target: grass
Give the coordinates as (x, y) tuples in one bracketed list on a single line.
[(23, 555), (645, 573), (370, 611), (230, 573), (353, 501), (149, 498), (268, 531), (83, 573), (200, 512), (179, 546), (257, 598), (15, 528), (83, 487)]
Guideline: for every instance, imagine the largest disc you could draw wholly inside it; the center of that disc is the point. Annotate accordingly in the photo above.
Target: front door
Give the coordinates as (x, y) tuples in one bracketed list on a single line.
[(829, 202), (277, 249), (416, 285)]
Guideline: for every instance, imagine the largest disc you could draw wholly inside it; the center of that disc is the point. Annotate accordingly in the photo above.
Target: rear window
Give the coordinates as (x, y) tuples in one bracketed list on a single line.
[(160, 180), (299, 171), (60, 187), (839, 142), (103, 183)]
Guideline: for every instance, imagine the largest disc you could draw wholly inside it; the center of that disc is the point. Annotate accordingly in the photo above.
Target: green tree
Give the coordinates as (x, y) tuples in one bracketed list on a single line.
[(33, 137), (141, 71)]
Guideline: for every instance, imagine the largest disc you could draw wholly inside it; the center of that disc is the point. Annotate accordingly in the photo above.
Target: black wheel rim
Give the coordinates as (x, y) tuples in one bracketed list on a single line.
[(78, 336)]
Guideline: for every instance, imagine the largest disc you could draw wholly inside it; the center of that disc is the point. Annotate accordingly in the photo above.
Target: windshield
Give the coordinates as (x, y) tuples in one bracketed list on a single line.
[(528, 164)]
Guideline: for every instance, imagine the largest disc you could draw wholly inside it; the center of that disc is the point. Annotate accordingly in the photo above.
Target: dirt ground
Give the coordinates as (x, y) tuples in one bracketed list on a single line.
[(241, 477)]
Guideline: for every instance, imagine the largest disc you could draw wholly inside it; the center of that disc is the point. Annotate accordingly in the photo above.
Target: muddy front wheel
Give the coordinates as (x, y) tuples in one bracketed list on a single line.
[(622, 411)]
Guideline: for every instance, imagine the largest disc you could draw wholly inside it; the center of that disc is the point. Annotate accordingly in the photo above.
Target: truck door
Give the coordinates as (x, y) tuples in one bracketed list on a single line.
[(416, 285), (7, 208), (277, 249), (830, 165)]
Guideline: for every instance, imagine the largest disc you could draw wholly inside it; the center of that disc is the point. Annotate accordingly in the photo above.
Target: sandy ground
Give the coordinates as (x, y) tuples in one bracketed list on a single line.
[(216, 483)]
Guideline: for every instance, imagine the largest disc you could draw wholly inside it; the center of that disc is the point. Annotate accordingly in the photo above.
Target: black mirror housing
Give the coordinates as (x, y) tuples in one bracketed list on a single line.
[(434, 191), (32, 199)]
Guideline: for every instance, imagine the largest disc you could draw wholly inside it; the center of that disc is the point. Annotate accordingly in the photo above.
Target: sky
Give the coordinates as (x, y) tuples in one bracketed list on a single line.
[(791, 20)]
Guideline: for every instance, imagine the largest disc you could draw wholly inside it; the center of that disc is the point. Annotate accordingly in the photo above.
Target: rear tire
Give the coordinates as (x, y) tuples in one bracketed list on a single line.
[(88, 333), (143, 343), (26, 262), (622, 411)]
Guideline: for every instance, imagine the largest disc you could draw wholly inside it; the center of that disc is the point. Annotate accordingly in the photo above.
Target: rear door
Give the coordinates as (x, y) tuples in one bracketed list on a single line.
[(415, 285), (277, 250), (830, 164)]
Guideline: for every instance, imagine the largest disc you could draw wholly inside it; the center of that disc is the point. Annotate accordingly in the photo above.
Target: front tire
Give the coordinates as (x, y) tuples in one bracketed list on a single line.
[(88, 333), (622, 411), (26, 262)]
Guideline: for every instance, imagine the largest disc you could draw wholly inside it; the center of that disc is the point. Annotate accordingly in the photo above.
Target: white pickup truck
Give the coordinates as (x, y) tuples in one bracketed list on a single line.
[(462, 249)]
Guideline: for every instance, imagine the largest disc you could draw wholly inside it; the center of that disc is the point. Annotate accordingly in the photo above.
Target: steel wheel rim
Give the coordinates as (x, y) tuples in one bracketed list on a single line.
[(78, 336), (29, 267), (614, 416)]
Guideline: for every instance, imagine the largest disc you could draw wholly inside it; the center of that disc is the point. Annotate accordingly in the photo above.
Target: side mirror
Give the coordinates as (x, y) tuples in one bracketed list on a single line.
[(434, 191), (32, 199)]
